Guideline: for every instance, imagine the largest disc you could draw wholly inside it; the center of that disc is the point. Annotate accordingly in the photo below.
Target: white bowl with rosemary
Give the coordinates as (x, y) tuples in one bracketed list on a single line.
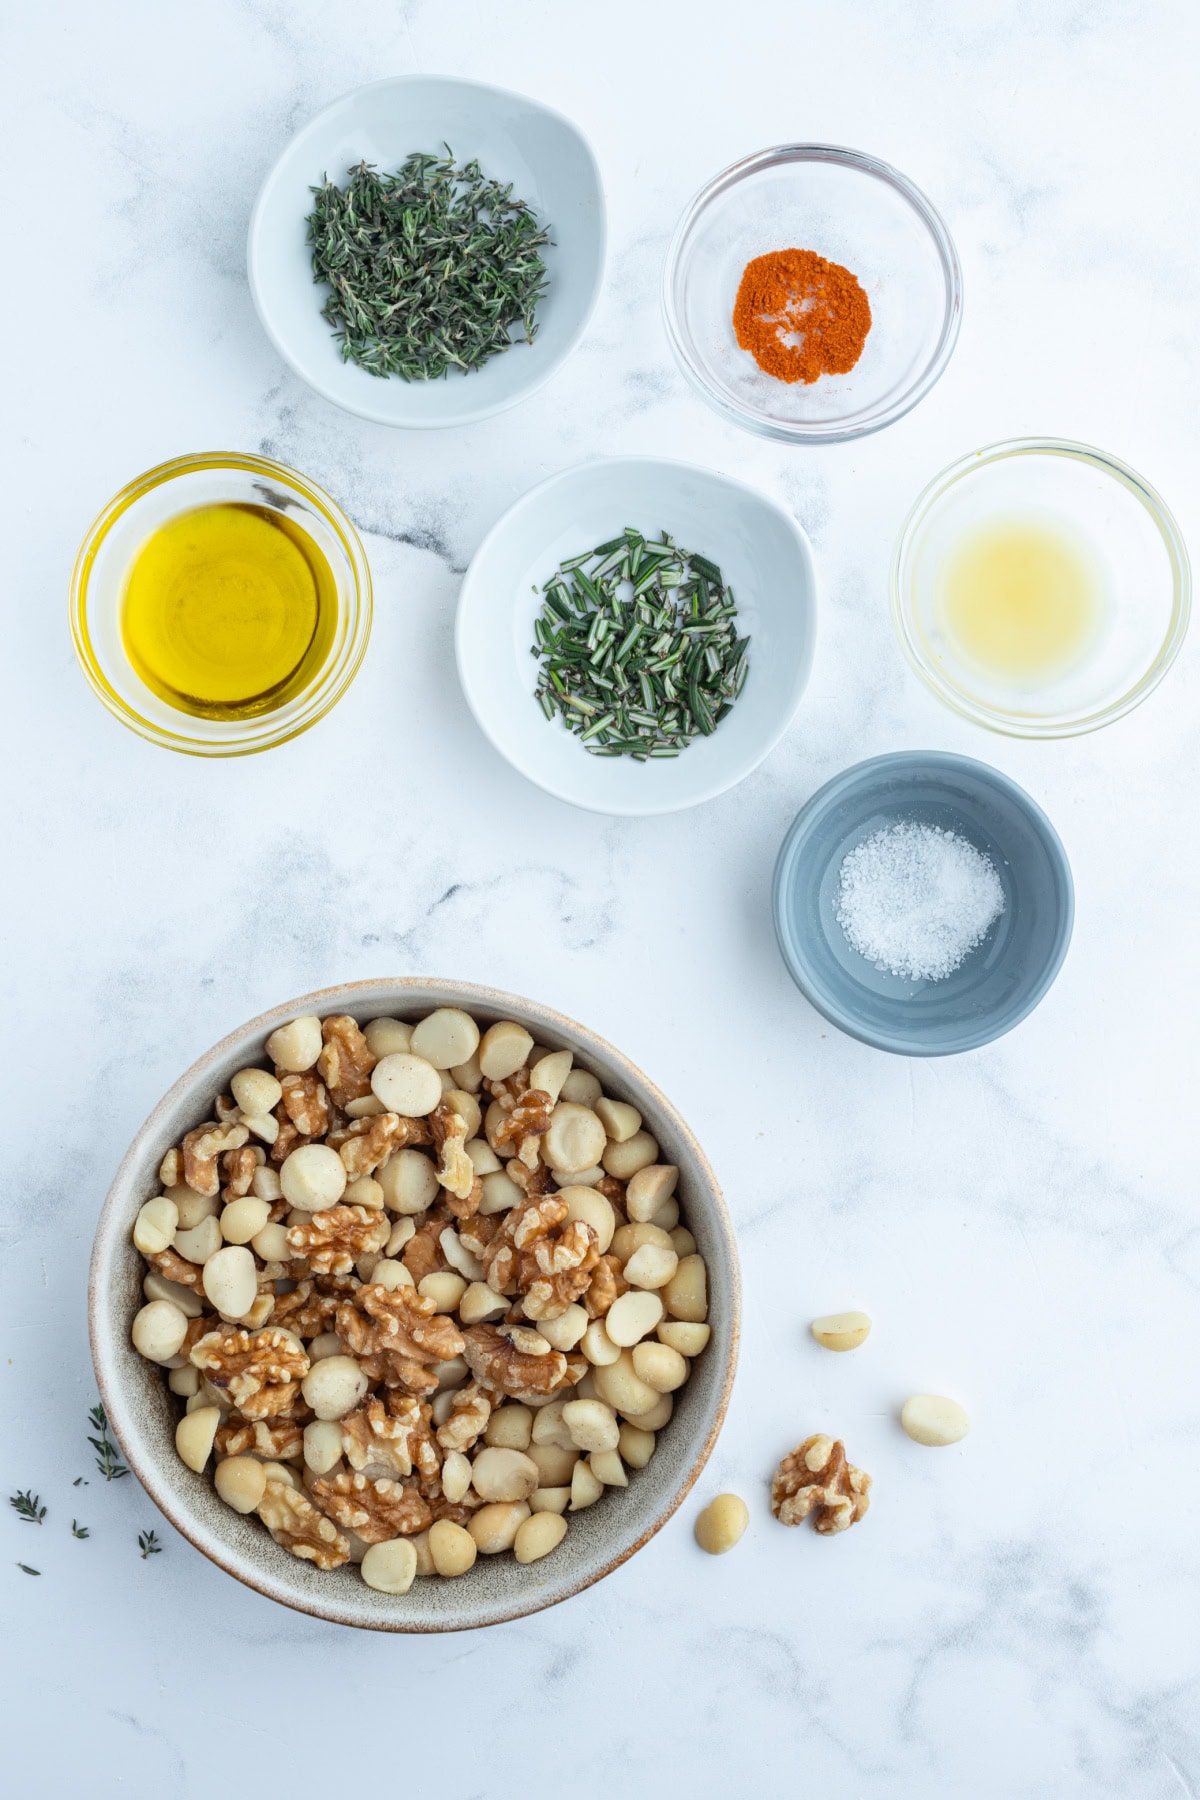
[(426, 251), (634, 635)]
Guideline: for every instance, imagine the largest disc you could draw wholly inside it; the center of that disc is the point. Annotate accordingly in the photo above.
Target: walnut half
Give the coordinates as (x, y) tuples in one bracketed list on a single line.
[(816, 1478)]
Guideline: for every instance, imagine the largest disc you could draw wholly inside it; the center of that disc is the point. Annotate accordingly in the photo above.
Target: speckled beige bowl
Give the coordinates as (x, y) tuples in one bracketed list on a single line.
[(143, 1412)]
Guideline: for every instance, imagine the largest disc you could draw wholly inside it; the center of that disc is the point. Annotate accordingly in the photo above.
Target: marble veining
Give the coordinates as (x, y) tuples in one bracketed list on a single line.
[(1016, 1618)]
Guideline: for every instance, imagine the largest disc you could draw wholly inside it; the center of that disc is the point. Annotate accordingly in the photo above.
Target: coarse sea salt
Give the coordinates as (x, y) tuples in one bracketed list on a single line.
[(915, 900)]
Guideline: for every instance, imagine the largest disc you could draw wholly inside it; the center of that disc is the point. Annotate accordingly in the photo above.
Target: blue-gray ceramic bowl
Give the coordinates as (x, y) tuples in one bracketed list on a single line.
[(1001, 981)]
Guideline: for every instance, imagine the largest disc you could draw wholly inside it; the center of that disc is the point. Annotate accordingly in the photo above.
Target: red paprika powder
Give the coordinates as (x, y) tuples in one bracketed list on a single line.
[(800, 316)]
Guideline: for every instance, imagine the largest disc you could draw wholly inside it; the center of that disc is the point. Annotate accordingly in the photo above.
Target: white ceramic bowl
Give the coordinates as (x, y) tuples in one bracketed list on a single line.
[(550, 165), (143, 1412), (762, 553)]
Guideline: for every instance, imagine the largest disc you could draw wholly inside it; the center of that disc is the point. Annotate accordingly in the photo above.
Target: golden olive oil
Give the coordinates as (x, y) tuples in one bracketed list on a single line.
[(229, 611), (1021, 600)]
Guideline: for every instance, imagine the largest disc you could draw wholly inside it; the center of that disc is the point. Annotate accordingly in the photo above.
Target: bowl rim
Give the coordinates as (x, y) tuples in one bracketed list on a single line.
[(1152, 502), (115, 1217), (858, 775), (563, 477), (330, 391), (831, 431), (346, 664)]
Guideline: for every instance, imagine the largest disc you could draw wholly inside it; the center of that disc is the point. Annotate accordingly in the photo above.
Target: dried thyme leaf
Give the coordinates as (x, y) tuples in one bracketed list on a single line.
[(638, 646), (27, 1569), (431, 268), (108, 1459)]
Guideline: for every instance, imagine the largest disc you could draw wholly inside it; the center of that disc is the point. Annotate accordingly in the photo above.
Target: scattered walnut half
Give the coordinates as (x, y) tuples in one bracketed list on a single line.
[(260, 1370), (333, 1241), (816, 1478), (375, 1510), (293, 1521)]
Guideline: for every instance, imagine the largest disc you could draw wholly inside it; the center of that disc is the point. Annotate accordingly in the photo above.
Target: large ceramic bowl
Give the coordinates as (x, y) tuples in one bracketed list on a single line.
[(143, 1412), (550, 165)]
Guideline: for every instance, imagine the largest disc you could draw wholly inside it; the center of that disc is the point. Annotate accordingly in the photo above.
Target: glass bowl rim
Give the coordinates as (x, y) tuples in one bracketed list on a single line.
[(1151, 501), (861, 162), (345, 666)]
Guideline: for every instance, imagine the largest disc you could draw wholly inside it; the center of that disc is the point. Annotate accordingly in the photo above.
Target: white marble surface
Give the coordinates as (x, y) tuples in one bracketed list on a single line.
[(1017, 1617)]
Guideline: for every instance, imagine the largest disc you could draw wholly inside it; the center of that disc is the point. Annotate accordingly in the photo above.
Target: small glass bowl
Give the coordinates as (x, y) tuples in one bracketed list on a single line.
[(108, 550), (1129, 535), (851, 209)]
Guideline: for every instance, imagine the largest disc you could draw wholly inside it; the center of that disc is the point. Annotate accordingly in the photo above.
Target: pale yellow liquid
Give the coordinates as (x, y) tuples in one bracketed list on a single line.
[(1022, 600)]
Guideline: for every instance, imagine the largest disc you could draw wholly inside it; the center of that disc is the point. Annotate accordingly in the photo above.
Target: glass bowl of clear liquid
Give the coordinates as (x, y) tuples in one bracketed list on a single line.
[(1041, 588)]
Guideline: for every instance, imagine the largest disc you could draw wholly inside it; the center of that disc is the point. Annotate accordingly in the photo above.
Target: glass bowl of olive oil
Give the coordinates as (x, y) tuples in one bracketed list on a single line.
[(221, 604), (1041, 588)]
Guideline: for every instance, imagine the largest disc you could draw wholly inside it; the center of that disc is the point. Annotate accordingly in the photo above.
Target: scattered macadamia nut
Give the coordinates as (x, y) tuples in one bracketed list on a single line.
[(632, 1316), (688, 1339), (591, 1425), (574, 1139), (582, 1087), (155, 1226), (594, 1210), (390, 1568), (158, 1331), (842, 1331), (200, 1242), (256, 1092), (624, 1159), (452, 1548), (649, 1190), (499, 1473), (495, 1527), (194, 1436), (313, 1178), (230, 1280), (659, 1366), (409, 1182), (932, 1419), (387, 1037), (549, 1073), (240, 1481), (722, 1523), (651, 1266), (334, 1387), (296, 1047), (243, 1219), (538, 1536), (503, 1049), (389, 1297), (445, 1037), (407, 1084)]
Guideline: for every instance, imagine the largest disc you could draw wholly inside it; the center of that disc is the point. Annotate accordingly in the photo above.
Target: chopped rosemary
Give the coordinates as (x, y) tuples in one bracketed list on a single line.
[(28, 1507), (431, 268), (148, 1544), (78, 1530), (638, 645), (108, 1459)]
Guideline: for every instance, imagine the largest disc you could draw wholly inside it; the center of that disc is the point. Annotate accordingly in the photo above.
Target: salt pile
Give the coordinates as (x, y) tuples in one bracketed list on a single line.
[(915, 900)]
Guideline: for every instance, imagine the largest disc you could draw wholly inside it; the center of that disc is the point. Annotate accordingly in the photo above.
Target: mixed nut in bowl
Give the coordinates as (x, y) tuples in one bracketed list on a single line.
[(415, 1306)]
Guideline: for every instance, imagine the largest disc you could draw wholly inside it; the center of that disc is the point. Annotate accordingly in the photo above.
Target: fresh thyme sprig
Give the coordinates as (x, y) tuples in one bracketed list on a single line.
[(148, 1544), (78, 1530), (431, 268), (28, 1507), (108, 1459), (639, 647)]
